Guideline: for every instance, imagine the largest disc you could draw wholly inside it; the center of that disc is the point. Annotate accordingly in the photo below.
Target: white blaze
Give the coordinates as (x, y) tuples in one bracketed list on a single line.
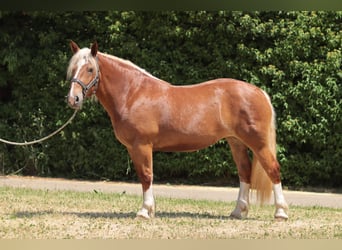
[(80, 64)]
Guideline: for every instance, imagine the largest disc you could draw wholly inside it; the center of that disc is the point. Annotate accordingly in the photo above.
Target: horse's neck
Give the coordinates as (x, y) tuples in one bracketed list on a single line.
[(114, 87)]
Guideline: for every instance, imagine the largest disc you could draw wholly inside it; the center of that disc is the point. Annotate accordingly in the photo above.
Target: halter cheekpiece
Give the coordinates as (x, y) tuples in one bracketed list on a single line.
[(93, 83)]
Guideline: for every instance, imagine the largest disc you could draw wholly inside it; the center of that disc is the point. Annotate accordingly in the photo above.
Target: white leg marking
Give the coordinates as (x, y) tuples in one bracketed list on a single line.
[(148, 207), (242, 204), (280, 203)]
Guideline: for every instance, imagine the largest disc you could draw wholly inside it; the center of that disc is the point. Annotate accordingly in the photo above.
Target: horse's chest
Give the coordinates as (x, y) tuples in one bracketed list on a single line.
[(127, 132), (124, 134)]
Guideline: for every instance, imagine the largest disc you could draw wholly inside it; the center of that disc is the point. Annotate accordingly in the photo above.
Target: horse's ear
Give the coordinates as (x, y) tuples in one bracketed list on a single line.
[(94, 48), (74, 47)]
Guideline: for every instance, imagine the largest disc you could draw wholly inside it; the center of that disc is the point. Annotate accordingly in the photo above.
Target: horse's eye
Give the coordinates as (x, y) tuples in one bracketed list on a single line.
[(90, 70)]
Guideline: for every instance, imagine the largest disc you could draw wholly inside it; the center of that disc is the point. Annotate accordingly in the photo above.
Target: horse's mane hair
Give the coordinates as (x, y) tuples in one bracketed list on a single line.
[(128, 63), (81, 54), (86, 54)]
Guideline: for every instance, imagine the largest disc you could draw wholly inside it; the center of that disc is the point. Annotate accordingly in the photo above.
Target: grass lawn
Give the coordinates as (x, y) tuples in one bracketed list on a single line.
[(44, 214)]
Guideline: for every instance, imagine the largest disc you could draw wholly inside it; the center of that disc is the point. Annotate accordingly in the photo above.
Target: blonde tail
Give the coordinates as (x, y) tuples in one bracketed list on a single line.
[(260, 181)]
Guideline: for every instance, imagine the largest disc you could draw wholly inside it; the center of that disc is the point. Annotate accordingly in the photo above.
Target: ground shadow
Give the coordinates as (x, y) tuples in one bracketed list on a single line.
[(162, 214), (31, 214), (109, 215), (120, 215)]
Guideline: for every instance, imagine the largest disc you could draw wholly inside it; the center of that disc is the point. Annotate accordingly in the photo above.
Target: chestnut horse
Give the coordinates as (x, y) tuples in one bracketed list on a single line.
[(149, 114)]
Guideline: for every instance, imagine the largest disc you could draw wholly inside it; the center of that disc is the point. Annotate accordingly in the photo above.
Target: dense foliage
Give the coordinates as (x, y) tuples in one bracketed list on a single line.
[(294, 56)]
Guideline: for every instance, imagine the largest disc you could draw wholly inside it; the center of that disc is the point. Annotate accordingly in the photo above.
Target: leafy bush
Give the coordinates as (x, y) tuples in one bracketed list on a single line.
[(294, 56)]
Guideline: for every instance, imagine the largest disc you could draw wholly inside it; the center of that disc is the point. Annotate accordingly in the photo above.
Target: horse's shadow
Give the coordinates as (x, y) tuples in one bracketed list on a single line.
[(95, 215), (123, 215)]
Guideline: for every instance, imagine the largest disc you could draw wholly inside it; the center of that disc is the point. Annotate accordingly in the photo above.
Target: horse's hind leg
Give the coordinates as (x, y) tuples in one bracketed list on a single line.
[(243, 163), (270, 164)]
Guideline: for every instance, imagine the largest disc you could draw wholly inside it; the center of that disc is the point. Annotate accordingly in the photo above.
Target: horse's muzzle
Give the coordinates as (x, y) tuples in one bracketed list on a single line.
[(74, 102)]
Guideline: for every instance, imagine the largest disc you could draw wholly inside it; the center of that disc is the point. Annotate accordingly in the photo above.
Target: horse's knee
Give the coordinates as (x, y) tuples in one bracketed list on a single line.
[(145, 175), (146, 181)]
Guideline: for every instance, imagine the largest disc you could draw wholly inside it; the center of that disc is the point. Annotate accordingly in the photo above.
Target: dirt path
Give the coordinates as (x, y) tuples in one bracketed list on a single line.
[(173, 191)]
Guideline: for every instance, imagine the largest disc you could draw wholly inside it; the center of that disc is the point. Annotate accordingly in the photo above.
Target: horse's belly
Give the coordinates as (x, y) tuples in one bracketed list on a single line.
[(181, 143)]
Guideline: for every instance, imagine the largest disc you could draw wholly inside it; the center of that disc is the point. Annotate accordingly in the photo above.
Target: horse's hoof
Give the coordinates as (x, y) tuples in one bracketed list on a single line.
[(280, 215), (146, 213), (143, 214), (240, 212), (235, 217), (280, 219), (239, 215)]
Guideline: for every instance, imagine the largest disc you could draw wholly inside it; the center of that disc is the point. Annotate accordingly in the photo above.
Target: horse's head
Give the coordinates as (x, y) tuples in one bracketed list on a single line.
[(83, 73)]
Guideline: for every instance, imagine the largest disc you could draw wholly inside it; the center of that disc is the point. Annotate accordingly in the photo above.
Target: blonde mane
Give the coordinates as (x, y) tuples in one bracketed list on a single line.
[(85, 54), (128, 63), (81, 54)]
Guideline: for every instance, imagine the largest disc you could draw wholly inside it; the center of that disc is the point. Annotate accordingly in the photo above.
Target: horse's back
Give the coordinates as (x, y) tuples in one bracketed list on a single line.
[(221, 94)]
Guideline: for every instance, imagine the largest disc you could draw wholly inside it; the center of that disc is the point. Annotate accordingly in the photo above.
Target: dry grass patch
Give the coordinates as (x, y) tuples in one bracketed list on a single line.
[(43, 214)]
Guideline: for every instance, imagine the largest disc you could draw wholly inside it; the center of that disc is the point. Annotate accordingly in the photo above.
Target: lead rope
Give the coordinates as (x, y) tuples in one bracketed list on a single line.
[(42, 139)]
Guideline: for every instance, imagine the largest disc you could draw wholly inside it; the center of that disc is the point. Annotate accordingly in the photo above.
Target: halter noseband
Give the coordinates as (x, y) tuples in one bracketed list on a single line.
[(86, 87)]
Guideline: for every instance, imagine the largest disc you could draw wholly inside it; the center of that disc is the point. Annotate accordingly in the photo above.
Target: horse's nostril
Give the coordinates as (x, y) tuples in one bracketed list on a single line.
[(77, 99)]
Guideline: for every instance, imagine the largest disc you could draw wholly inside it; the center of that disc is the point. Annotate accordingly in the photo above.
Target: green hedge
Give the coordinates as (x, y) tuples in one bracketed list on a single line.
[(294, 56)]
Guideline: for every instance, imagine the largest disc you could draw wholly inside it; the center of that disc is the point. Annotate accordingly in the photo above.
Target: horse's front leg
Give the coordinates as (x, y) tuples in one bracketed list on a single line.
[(141, 155)]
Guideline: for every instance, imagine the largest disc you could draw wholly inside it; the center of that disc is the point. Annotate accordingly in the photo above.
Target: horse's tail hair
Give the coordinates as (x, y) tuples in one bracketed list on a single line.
[(260, 181)]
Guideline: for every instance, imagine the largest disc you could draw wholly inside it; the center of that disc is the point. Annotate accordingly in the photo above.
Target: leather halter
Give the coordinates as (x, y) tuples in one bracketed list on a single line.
[(93, 83)]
